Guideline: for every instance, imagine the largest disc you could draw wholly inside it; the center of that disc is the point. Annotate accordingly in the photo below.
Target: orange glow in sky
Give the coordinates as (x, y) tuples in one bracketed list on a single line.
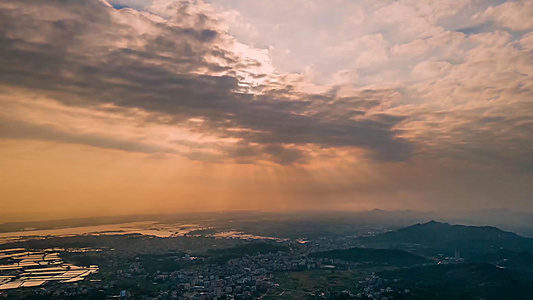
[(137, 107)]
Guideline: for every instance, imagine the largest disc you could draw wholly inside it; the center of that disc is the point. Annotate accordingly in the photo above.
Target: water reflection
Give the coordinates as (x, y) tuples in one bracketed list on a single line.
[(21, 268), (144, 228), (243, 236)]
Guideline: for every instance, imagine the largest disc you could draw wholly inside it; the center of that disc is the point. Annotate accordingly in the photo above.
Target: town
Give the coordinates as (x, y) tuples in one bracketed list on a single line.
[(212, 276)]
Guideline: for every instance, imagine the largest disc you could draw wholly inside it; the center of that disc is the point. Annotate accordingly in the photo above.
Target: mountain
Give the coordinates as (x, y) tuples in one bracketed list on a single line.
[(433, 238), (392, 257)]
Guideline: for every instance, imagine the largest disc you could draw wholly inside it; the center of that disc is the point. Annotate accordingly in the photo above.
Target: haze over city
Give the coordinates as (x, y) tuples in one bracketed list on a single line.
[(141, 107)]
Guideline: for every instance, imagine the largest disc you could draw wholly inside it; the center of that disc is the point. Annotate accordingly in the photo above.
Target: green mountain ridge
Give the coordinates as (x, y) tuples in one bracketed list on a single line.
[(374, 256), (434, 238)]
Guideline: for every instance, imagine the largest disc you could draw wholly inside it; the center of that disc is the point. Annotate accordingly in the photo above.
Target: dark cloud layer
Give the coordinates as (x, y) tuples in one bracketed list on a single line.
[(80, 54)]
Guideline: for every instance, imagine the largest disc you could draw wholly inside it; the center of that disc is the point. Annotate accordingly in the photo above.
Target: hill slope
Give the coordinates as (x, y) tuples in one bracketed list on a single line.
[(374, 256), (507, 259), (433, 238), (462, 281)]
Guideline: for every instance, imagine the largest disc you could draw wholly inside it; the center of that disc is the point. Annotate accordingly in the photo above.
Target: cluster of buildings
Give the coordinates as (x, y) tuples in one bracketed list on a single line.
[(246, 277), (374, 287), (125, 275)]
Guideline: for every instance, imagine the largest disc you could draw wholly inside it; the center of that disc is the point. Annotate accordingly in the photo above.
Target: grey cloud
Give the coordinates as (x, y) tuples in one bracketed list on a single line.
[(284, 155), (245, 153), (69, 59), (14, 129), (498, 135)]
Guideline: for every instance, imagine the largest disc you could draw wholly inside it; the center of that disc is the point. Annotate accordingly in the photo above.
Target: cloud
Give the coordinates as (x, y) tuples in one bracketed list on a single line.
[(13, 129), (512, 15), (176, 62), (419, 104), (431, 69), (181, 67)]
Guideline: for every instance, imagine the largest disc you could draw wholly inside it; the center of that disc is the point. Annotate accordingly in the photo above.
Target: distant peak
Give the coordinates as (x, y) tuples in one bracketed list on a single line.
[(434, 223)]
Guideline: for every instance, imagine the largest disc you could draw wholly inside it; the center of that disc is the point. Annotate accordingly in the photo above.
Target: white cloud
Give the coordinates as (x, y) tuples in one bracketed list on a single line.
[(431, 69), (512, 15)]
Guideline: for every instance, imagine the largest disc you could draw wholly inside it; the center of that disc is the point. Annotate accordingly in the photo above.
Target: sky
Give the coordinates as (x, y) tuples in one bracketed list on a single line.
[(155, 106)]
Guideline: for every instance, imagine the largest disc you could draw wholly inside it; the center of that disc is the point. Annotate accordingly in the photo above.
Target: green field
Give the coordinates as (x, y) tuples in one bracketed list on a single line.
[(301, 284)]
